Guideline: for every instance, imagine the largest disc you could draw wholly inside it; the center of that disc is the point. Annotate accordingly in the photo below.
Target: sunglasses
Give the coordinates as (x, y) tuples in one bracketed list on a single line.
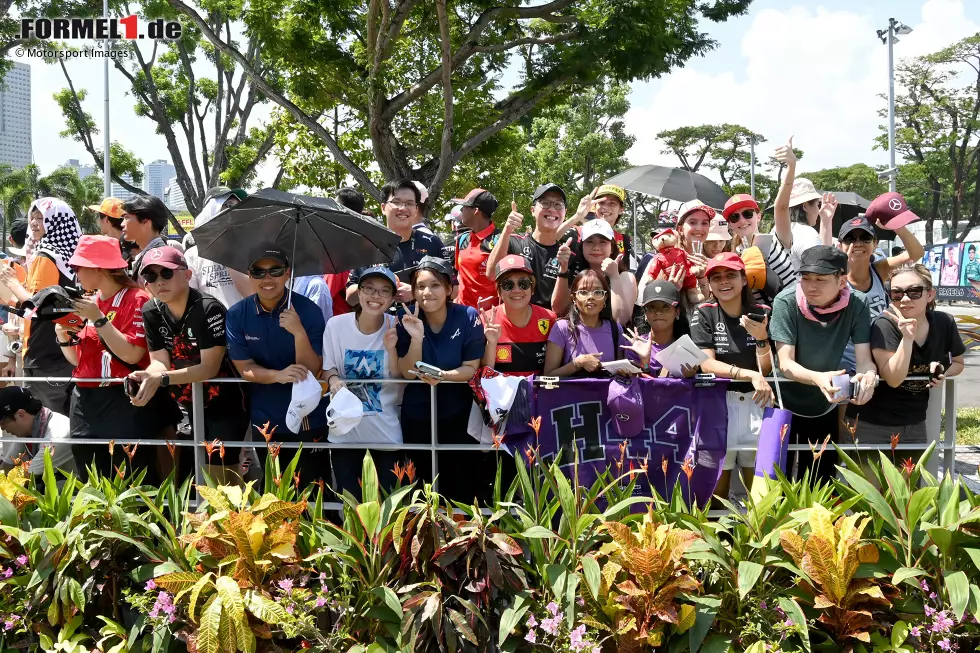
[(863, 237), (747, 214), (913, 292), (524, 283), (150, 276), (585, 294), (259, 273)]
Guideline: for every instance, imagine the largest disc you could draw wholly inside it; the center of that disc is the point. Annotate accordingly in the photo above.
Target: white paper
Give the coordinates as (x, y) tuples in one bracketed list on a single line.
[(615, 366), (683, 351)]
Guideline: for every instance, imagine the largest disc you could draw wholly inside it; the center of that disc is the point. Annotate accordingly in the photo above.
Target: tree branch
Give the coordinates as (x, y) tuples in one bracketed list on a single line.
[(446, 143), (362, 178)]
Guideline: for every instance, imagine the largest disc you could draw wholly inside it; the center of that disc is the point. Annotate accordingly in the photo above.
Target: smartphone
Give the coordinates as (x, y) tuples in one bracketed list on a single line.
[(131, 387), (757, 316), (936, 372), (428, 370)]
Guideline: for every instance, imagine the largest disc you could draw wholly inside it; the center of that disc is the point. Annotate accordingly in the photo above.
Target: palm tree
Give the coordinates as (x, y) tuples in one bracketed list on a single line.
[(19, 188)]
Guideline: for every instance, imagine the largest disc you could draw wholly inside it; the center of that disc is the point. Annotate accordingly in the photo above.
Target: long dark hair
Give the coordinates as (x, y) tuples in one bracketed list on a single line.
[(574, 317)]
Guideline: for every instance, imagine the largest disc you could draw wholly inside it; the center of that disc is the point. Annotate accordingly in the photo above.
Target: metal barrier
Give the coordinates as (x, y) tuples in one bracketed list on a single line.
[(933, 426)]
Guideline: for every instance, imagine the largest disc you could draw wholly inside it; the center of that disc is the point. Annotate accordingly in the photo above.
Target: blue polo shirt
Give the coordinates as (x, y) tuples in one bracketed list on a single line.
[(253, 333), (460, 339)]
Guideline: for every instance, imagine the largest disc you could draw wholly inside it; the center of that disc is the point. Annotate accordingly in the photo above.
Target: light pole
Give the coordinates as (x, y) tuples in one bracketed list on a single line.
[(889, 38), (752, 142), (107, 182)]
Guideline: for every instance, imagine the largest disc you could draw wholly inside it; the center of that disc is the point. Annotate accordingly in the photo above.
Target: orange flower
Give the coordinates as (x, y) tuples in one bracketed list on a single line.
[(410, 471), (644, 464), (688, 469), (296, 481), (529, 454), (399, 472), (130, 451), (274, 449), (320, 482), (112, 446), (895, 437), (266, 432), (908, 466), (209, 449), (120, 473), (277, 478), (172, 448), (852, 429), (221, 452), (536, 425), (783, 431), (813, 448)]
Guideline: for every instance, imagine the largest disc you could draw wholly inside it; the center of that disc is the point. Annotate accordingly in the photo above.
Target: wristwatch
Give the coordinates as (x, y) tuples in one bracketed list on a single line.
[(101, 322), (762, 344), (164, 380)]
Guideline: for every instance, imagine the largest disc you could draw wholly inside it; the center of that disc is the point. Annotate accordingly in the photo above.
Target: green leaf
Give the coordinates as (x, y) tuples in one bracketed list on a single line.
[(512, 616), (974, 556), (922, 499), (199, 587), (539, 533), (704, 618), (906, 574), (593, 576), (388, 595), (75, 593), (207, 634), (264, 609), (748, 576), (900, 631), (463, 628), (942, 537), (758, 647), (369, 481), (717, 644), (958, 589), (8, 514), (872, 496), (896, 482), (795, 612), (974, 606), (370, 514)]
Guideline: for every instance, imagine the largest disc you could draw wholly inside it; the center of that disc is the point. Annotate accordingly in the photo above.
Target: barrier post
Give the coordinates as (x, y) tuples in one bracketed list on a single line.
[(934, 423), (949, 448), (433, 418), (197, 423)]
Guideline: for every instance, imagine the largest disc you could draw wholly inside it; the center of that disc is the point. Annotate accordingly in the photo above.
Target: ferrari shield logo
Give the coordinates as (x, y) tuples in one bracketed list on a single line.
[(543, 326)]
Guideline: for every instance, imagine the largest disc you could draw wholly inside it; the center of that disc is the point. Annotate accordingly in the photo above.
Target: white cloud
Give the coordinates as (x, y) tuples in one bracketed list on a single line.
[(812, 73)]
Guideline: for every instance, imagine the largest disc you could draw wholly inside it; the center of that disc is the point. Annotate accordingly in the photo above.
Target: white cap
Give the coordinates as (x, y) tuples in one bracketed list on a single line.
[(344, 412), (306, 397), (599, 227)]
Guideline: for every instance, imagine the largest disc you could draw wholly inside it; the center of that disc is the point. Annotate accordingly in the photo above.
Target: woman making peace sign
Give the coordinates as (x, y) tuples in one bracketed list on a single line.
[(910, 338), (449, 337)]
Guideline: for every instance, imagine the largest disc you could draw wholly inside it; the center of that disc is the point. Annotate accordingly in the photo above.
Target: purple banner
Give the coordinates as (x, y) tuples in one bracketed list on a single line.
[(773, 442), (683, 428)]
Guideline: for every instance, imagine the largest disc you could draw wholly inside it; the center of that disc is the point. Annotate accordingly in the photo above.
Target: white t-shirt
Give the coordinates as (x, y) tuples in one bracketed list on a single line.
[(356, 355), (804, 237), (212, 278), (58, 428)]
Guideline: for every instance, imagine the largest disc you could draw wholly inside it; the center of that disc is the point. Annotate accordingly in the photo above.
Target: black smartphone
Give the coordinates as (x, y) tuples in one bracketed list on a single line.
[(757, 316), (131, 387)]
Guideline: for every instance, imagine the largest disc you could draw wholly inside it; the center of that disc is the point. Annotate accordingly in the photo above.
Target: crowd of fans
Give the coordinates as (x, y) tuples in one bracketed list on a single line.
[(843, 327)]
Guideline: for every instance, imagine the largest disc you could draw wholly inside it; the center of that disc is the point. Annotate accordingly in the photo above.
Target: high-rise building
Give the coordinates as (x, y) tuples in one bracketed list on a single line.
[(173, 197), (156, 176), (83, 171), (119, 192), (15, 116)]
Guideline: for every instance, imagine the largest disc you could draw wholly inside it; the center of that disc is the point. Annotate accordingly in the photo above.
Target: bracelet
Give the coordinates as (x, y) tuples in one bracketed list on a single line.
[(66, 343), (733, 372), (101, 322), (332, 376), (762, 344)]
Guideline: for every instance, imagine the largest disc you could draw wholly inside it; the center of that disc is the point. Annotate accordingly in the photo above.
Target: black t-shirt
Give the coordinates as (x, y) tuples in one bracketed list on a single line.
[(907, 404), (201, 327), (43, 352), (713, 328), (409, 253), (544, 262)]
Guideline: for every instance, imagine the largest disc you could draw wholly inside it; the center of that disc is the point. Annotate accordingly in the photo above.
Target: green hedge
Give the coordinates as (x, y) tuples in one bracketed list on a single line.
[(886, 559)]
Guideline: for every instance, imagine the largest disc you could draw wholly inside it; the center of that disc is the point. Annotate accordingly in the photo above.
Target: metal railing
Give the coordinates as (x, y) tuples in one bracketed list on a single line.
[(933, 428)]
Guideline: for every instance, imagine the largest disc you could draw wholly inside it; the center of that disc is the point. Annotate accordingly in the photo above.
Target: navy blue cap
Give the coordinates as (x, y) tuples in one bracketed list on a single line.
[(378, 271)]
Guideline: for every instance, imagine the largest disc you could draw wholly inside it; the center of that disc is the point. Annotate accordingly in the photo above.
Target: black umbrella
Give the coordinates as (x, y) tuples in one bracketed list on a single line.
[(322, 235), (671, 183)]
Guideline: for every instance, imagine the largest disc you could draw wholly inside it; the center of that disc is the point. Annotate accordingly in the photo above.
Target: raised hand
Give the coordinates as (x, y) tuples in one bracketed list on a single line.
[(829, 206), (514, 220), (491, 330), (906, 326), (642, 347), (391, 339), (565, 254), (413, 326), (785, 154), (758, 330), (586, 205)]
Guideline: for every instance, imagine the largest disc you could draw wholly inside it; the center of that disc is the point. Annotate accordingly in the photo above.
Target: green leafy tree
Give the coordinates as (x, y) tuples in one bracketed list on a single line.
[(423, 81), (859, 178)]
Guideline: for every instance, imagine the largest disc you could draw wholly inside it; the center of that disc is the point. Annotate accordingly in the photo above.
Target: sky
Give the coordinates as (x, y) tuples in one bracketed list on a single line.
[(813, 70)]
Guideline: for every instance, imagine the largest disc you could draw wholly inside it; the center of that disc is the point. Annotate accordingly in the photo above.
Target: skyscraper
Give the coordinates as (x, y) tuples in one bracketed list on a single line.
[(15, 116), (83, 171), (156, 176), (174, 197), (119, 192)]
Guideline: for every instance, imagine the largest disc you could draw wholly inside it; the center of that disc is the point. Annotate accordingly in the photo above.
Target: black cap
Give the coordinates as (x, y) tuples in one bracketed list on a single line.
[(439, 265), (823, 259), (480, 199), (661, 291), (860, 222), (544, 188), (268, 250), (12, 399), (18, 231)]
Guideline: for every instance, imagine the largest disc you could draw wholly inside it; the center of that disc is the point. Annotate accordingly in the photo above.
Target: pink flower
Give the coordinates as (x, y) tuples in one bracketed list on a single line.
[(915, 632), (552, 608), (531, 621), (289, 609), (8, 572), (286, 585), (21, 561), (788, 623), (581, 602), (575, 638), (320, 602), (531, 637), (550, 625), (930, 611), (945, 645), (924, 585), (150, 585)]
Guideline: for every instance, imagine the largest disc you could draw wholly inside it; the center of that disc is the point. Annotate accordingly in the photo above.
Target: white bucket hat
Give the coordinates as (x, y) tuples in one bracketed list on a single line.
[(306, 397), (345, 412), (719, 230), (803, 191)]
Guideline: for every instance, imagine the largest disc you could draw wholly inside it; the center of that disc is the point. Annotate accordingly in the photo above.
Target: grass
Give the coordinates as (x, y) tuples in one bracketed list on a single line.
[(967, 425)]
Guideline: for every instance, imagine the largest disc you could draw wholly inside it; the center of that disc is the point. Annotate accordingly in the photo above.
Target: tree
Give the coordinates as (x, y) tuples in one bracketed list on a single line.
[(724, 148), (424, 79), (206, 121), (937, 126), (19, 188), (858, 178)]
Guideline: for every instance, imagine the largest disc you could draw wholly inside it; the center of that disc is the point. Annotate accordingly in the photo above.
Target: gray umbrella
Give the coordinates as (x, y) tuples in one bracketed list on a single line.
[(671, 183), (322, 235)]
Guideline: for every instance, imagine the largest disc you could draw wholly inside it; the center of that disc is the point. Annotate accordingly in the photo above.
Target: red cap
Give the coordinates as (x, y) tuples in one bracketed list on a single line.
[(727, 260), (512, 263), (98, 252), (891, 211), (738, 203), (165, 257)]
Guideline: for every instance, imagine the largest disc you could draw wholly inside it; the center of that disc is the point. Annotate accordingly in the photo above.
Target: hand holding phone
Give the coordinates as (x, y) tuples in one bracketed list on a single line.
[(424, 369)]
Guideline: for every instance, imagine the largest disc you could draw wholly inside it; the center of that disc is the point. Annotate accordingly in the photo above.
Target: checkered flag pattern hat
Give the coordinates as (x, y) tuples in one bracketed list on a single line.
[(61, 232)]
